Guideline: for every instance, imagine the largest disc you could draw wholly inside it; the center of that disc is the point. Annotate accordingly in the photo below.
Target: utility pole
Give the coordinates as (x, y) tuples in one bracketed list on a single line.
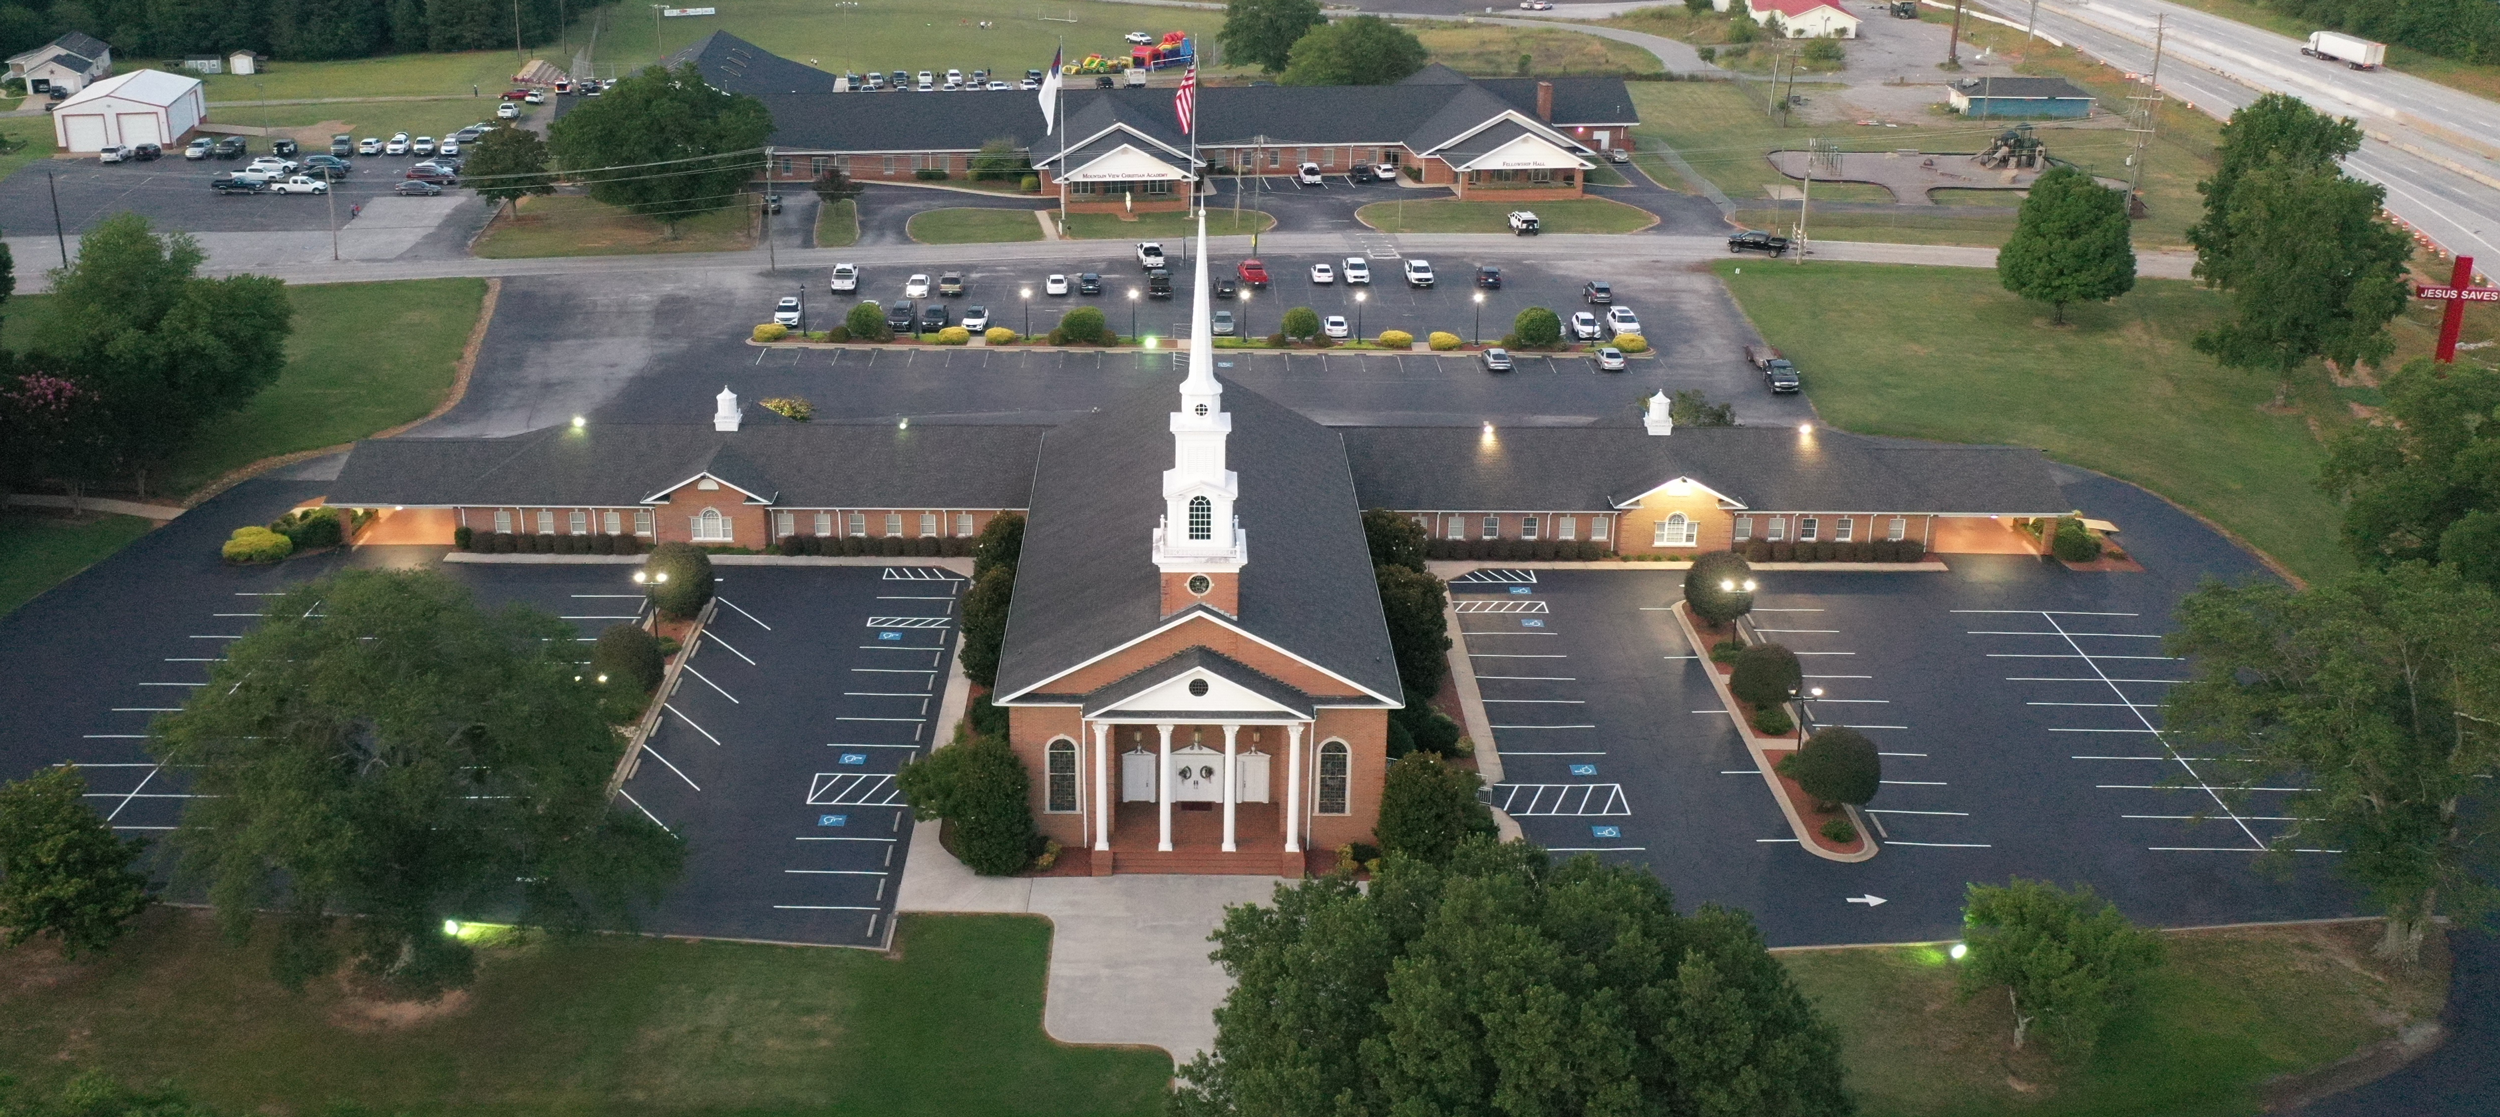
[(1953, 45), (656, 45), (2142, 126), (772, 257), (331, 196), (2031, 24), (518, 51)]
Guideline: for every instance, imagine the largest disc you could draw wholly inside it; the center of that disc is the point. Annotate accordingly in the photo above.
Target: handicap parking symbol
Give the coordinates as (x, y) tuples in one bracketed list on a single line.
[(889, 636), (854, 758), (1584, 769), (1606, 831), (833, 820), (1519, 589), (1531, 622)]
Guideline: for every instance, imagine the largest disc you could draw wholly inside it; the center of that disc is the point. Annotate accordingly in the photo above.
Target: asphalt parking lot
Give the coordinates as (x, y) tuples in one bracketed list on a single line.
[(2015, 703), (173, 194)]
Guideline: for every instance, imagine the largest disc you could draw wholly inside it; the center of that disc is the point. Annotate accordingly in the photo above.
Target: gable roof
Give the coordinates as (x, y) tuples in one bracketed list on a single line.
[(1793, 8), (147, 87), (1212, 662), (1510, 144), (64, 58), (1577, 101), (2022, 89), (1087, 585), (83, 47), (734, 65)]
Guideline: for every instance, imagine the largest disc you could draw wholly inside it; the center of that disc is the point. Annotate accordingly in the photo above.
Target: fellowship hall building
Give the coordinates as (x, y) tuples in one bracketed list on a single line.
[(1197, 668)]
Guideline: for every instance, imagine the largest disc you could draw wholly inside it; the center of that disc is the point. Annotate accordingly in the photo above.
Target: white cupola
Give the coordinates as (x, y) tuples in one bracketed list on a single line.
[(1660, 420), (1200, 543), (725, 414)]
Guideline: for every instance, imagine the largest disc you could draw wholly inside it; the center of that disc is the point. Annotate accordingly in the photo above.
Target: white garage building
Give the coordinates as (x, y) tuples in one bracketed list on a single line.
[(140, 107)]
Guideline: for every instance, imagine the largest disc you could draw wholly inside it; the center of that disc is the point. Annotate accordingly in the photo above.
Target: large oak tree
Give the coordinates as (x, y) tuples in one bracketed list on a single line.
[(664, 144)]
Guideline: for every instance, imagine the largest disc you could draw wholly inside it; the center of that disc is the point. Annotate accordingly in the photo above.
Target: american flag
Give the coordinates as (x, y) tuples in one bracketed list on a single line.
[(1186, 101)]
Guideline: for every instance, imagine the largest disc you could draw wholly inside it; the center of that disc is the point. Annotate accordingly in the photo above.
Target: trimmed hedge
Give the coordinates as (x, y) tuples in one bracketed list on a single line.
[(689, 583), (1537, 328), (954, 335), (866, 322), (1836, 765), (1442, 341), (1773, 720), (999, 335), (2074, 542), (1907, 550), (256, 545), (308, 528), (1396, 339), (626, 656), (1630, 343), (1517, 550), (1766, 675), (771, 331)]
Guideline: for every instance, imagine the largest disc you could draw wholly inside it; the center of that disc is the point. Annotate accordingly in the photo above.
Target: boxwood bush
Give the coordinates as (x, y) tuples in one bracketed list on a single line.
[(1537, 328), (628, 657), (1442, 341), (1396, 339), (689, 583), (1766, 675), (771, 331), (2074, 542), (308, 528), (257, 545), (866, 322)]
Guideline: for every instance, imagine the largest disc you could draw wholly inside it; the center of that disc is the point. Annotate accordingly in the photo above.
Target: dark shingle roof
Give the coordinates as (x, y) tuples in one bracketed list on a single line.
[(2025, 89), (1767, 468), (1087, 584), (1577, 101), (734, 65), (84, 45), (903, 121)]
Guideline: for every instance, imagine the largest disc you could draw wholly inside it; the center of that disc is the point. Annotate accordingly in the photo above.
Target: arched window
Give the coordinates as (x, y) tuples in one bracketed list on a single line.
[(1334, 768), (1062, 771), (711, 527), (1677, 530), (1201, 518)]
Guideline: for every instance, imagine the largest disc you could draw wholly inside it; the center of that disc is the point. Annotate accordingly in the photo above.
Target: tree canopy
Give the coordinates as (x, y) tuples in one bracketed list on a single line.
[(986, 605), (1419, 630), (1262, 32), (979, 786), (2069, 244), (2377, 694), (509, 164), (1502, 983), (2431, 468), (380, 746), (1719, 587), (2068, 961), (2314, 272), (664, 144), (63, 872), (2275, 130), (1427, 808), (1395, 539), (1361, 50), (1836, 765)]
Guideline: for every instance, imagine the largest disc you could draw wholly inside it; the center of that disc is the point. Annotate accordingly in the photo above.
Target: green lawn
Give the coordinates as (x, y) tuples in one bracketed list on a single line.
[(951, 1026), (399, 75), (1493, 51), (34, 132), (39, 551), (837, 225), (1164, 226), (339, 385), (1449, 215), (313, 125), (575, 225), (2229, 1011), (973, 226), (883, 35), (1948, 354)]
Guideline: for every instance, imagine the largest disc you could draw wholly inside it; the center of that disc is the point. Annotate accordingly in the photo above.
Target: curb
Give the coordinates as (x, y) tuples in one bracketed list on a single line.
[(1448, 568), (649, 722), (1471, 698), (1762, 761), (961, 566)]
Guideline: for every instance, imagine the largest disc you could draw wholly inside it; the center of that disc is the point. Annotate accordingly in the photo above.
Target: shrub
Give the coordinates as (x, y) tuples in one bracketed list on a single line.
[(1631, 343), (789, 407), (978, 784), (1836, 765), (1031, 184), (1839, 830), (1757, 551), (1766, 675), (1427, 807), (688, 583), (1824, 50), (568, 544), (999, 335), (836, 334), (1085, 324), (1773, 721), (2068, 960), (927, 546), (257, 545), (854, 546), (866, 322), (1301, 323), (603, 544), (891, 546), (1537, 328), (930, 174), (628, 545), (1396, 339), (1783, 552), (308, 528), (543, 543), (627, 657), (1442, 341), (771, 331), (989, 719), (1718, 588), (792, 546), (1726, 651), (954, 335), (2075, 542), (463, 539), (506, 543), (1427, 729)]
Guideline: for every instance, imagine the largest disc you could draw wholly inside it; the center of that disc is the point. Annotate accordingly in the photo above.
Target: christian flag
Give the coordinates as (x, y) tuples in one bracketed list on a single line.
[(1050, 91), (1186, 101)]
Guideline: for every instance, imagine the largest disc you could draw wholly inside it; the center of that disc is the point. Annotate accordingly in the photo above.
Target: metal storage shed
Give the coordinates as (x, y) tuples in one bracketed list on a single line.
[(143, 106)]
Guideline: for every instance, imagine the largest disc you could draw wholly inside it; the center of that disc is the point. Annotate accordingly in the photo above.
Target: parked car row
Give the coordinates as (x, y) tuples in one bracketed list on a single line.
[(931, 81)]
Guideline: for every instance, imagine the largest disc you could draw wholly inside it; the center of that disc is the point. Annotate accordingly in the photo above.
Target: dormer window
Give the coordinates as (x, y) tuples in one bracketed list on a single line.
[(1201, 518)]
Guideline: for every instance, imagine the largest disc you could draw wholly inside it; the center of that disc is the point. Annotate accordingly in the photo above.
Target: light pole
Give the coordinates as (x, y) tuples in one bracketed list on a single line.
[(1358, 313), (1477, 335), (1028, 312), (1245, 307), (1132, 314)]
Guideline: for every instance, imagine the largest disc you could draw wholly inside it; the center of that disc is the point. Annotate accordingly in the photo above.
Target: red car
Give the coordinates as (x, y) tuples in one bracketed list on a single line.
[(515, 94), (1254, 273)]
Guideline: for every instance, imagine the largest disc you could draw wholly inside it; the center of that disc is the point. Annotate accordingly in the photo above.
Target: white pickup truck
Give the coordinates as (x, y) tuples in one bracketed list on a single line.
[(2351, 50), (845, 278), (1150, 254)]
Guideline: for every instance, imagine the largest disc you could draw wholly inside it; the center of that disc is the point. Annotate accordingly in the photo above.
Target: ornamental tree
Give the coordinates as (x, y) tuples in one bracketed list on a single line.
[(1396, 540), (63, 873), (1836, 765), (1427, 808), (866, 322), (1537, 328), (1300, 323), (2068, 961), (1719, 587), (678, 576), (1415, 604), (978, 785), (2069, 244), (1766, 675), (985, 623)]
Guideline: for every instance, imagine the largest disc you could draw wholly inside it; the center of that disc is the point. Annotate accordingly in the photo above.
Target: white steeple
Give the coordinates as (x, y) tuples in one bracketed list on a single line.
[(1661, 417), (725, 415), (1199, 533)]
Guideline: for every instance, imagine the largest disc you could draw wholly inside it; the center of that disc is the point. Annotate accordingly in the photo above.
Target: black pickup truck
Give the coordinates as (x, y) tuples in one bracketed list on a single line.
[(1754, 240)]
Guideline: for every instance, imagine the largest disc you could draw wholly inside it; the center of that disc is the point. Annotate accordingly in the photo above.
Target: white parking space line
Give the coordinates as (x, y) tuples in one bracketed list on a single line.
[(2078, 653), (894, 671), (689, 669), (744, 613), (2040, 612), (708, 634), (2064, 679), (681, 716), (804, 838), (681, 774), (646, 811), (1916, 754)]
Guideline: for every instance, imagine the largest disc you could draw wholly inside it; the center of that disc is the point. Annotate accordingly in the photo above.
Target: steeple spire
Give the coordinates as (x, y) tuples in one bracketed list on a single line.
[(1200, 546)]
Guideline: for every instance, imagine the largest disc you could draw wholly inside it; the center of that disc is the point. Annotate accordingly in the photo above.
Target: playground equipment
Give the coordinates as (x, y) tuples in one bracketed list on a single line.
[(2014, 147), (1174, 50)]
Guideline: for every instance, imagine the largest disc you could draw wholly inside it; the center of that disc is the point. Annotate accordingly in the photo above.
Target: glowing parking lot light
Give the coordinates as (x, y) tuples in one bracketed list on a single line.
[(1959, 950), (579, 422), (451, 927), (1805, 428), (1727, 585), (1748, 585), (640, 577)]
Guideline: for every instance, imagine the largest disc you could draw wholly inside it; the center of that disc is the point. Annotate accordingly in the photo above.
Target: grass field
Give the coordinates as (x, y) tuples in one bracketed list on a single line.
[(574, 225), (312, 125), (1449, 215), (837, 225), (1164, 226), (1726, 137), (2229, 1011), (39, 550), (950, 1025), (1491, 51), (1948, 354), (1936, 226), (363, 357), (973, 226), (399, 75), (34, 132), (897, 34)]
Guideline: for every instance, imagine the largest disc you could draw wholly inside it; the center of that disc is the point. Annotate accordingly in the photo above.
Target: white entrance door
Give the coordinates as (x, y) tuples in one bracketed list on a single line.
[(1252, 769), (1137, 776), (1197, 775)]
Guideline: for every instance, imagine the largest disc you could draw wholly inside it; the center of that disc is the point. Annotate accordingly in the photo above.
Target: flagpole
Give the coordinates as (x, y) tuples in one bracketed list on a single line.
[(1059, 116)]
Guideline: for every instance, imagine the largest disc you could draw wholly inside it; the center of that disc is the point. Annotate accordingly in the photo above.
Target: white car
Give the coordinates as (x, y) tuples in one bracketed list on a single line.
[(975, 319), (1307, 174), (1356, 271), (1584, 326), (1139, 37), (1611, 359), (1323, 275), (925, 86), (845, 277), (917, 287), (273, 166), (507, 111), (1055, 285), (1620, 320), (787, 312), (1334, 326), (1418, 273), (370, 145), (112, 154), (1388, 172), (954, 77), (300, 185), (998, 87), (425, 144), (927, 79), (535, 97), (451, 146), (398, 144)]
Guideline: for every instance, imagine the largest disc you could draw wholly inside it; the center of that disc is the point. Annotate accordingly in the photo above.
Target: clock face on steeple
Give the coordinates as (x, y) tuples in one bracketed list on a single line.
[(1199, 584)]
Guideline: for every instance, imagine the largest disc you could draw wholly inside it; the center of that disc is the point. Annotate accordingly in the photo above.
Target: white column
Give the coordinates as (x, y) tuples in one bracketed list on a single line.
[(1293, 788), (1163, 790), (1103, 803), (1232, 790)]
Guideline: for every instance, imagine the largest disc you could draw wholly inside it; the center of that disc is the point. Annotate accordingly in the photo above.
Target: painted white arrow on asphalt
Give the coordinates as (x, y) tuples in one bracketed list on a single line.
[(1870, 899)]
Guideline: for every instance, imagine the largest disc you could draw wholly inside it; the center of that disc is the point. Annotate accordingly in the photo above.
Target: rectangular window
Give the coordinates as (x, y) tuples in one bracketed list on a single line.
[(928, 524), (1900, 528), (612, 523), (1806, 528), (1328, 157), (1276, 158), (894, 523), (1597, 528), (503, 521), (1335, 773), (963, 524), (1493, 527), (1846, 529), (859, 523), (785, 168), (824, 524), (642, 521), (577, 522), (546, 521), (1062, 761), (1458, 527), (1658, 534), (889, 166), (1566, 527), (1527, 527), (1779, 529), (1744, 528), (1158, 187), (816, 165), (785, 523)]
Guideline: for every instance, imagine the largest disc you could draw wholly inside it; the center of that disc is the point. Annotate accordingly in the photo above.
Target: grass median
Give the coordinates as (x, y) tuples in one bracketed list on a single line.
[(948, 1024), (1165, 226), (1449, 215), (41, 549), (1489, 50), (575, 225), (973, 226), (1948, 354), (837, 224)]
